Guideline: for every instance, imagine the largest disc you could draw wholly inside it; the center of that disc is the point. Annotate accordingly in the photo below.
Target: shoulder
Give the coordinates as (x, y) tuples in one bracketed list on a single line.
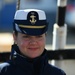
[(3, 65), (55, 70)]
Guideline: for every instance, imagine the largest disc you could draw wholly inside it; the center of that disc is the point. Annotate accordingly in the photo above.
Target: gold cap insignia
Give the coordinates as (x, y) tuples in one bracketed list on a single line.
[(33, 20)]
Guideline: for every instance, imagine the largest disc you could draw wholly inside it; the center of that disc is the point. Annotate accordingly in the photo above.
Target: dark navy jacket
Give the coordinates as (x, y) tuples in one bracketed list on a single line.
[(21, 65)]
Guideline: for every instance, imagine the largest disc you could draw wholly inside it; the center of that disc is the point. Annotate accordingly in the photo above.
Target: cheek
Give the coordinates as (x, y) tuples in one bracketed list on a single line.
[(42, 43), (22, 43)]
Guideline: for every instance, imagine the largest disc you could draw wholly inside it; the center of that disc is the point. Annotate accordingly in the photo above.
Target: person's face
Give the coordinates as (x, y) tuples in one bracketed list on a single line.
[(30, 46)]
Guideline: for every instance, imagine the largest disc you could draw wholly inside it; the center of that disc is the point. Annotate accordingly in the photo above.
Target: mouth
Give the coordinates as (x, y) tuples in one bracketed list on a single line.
[(34, 49)]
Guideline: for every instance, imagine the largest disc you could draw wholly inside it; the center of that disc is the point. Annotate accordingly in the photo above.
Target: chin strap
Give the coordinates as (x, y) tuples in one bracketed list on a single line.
[(13, 51)]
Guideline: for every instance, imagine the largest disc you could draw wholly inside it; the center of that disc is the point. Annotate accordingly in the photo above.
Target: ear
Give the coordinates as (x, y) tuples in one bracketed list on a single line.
[(15, 38)]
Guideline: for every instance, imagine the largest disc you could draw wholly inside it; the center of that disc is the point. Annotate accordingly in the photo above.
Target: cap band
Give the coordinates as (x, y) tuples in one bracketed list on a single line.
[(26, 22), (26, 26)]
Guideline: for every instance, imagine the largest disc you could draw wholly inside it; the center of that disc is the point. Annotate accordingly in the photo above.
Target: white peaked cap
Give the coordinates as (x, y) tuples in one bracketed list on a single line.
[(30, 21), (22, 14)]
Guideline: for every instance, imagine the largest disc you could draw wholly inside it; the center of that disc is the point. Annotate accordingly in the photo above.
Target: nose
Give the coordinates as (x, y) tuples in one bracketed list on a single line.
[(33, 41)]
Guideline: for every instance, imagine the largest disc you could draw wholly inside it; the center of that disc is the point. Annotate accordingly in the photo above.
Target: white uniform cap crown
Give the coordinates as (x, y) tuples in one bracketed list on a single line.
[(22, 14)]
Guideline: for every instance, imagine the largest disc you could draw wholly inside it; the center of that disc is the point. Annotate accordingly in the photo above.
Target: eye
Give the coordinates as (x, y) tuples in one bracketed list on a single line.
[(39, 36), (25, 36)]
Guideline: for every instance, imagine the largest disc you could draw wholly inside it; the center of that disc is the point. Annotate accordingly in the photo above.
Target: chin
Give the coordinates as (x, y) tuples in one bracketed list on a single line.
[(35, 56)]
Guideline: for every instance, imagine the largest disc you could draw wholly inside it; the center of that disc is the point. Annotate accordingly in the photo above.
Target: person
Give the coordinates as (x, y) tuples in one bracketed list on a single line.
[(28, 54)]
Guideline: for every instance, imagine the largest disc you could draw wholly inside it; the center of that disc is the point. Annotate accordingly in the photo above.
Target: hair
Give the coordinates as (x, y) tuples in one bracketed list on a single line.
[(15, 32)]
